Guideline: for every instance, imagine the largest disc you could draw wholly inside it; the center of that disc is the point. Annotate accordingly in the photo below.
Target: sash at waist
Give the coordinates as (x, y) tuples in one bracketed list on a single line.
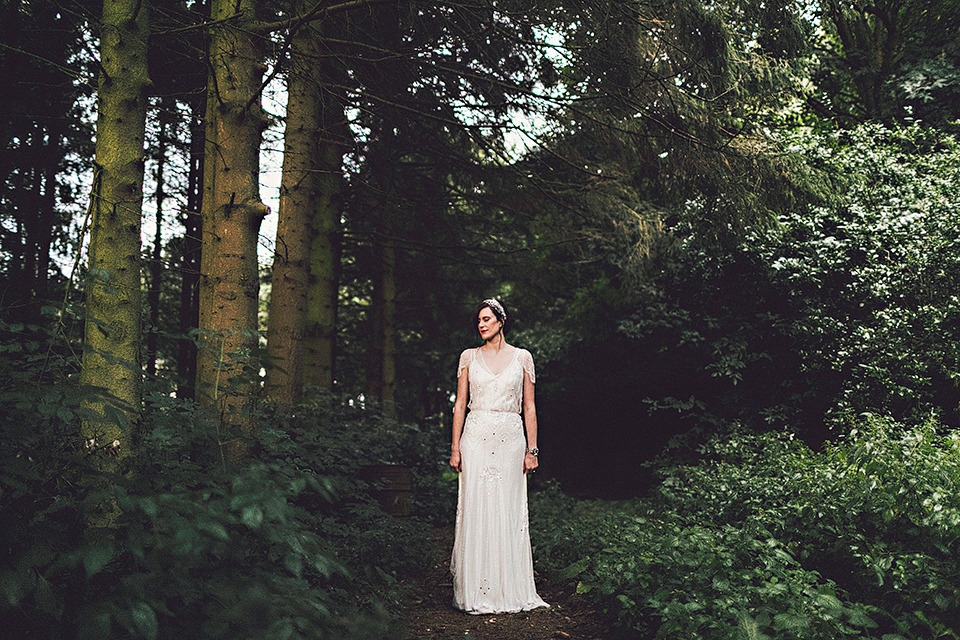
[(494, 411)]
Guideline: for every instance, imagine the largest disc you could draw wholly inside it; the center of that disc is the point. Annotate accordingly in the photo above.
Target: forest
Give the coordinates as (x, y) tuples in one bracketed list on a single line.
[(241, 247)]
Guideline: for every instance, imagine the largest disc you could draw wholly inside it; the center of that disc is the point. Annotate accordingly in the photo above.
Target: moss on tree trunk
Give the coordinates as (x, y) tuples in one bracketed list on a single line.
[(112, 335)]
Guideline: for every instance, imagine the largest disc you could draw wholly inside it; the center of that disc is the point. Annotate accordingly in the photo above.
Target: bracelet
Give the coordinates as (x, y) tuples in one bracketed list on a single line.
[(535, 451)]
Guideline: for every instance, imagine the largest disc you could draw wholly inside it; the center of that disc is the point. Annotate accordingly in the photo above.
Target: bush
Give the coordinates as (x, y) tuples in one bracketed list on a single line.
[(285, 544), (766, 538)]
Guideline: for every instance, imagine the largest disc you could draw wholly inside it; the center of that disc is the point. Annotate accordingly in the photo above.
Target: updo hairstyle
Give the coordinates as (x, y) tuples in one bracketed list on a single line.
[(499, 311)]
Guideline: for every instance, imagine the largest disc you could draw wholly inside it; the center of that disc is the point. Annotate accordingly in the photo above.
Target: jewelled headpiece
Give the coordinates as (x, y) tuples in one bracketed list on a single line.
[(494, 304)]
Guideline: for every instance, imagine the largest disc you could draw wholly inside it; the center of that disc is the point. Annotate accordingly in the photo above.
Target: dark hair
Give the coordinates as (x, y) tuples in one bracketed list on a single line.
[(496, 307)]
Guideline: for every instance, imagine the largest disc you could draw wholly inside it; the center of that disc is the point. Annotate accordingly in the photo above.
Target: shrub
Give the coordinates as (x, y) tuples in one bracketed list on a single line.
[(765, 537), (286, 543)]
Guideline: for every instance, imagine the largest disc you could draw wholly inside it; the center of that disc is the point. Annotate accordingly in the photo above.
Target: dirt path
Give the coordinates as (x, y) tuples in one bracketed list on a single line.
[(432, 616)]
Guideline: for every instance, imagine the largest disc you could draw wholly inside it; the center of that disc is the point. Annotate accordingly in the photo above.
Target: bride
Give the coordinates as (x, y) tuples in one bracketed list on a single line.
[(492, 562)]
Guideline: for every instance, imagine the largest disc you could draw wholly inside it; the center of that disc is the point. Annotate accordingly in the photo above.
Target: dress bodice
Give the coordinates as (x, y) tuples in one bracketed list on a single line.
[(496, 391)]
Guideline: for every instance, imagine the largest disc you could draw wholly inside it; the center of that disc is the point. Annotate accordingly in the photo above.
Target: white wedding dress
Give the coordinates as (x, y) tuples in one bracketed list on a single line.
[(492, 562)]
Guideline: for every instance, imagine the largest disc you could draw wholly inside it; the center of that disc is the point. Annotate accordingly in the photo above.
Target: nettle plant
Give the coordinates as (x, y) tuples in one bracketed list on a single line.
[(765, 537), (877, 513)]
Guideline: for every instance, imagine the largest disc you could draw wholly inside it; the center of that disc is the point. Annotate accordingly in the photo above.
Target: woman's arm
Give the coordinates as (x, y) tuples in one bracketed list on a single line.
[(530, 461), (459, 414)]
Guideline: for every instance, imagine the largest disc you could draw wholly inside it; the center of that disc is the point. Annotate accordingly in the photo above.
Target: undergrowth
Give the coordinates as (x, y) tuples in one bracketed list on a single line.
[(765, 538), (286, 543)]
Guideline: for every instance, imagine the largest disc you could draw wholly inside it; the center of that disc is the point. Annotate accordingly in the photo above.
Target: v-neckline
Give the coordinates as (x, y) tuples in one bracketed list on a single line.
[(483, 361)]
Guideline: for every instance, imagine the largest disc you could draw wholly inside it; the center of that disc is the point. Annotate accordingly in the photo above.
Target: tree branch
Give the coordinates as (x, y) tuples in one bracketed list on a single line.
[(318, 11)]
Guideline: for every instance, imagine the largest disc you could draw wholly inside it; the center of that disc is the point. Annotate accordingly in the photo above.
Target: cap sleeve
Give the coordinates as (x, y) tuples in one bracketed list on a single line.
[(526, 361), (466, 359)]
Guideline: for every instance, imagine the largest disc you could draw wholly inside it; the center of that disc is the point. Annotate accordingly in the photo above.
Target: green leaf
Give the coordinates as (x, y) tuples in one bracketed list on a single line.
[(828, 601), (214, 528), (281, 630), (96, 558), (294, 563), (145, 620), (46, 598), (574, 569), (149, 506), (860, 619), (783, 621), (252, 516), (97, 626)]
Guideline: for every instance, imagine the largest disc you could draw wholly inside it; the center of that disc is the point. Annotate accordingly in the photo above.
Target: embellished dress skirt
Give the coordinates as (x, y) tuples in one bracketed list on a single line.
[(492, 562)]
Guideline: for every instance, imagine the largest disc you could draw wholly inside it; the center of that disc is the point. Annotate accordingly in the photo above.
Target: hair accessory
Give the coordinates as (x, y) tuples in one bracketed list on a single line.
[(494, 304)]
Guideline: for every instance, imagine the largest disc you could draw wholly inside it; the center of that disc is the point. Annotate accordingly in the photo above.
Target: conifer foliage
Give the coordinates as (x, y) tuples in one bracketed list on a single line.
[(711, 220)]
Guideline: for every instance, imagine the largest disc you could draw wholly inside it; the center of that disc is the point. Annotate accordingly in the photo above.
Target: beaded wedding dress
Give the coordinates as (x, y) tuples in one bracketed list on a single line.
[(492, 562)]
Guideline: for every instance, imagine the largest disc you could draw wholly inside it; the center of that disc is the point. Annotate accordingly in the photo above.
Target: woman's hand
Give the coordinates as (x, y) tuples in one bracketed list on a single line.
[(455, 461), (530, 462)]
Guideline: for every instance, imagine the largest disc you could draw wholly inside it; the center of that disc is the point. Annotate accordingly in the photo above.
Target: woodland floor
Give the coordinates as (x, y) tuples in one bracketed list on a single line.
[(432, 616)]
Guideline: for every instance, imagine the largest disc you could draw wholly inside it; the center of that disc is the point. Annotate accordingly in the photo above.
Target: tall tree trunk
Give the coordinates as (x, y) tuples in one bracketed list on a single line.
[(231, 214), (386, 297), (391, 81), (190, 258), (156, 266), (324, 282), (32, 220), (30, 263), (872, 46), (381, 363), (303, 300), (111, 358), (48, 204), (298, 203)]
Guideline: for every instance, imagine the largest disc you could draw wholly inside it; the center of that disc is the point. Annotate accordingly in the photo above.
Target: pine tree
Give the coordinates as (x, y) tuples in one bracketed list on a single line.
[(112, 343)]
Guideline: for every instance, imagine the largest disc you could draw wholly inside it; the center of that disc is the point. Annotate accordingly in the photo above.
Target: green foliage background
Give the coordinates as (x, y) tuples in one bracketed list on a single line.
[(286, 544), (844, 306), (766, 538), (741, 312)]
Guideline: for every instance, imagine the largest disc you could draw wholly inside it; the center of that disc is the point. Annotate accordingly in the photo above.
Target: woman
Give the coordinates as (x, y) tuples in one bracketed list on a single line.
[(492, 563)]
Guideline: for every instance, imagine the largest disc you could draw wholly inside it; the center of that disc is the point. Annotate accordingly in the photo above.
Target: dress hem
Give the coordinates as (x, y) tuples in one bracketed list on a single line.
[(486, 612)]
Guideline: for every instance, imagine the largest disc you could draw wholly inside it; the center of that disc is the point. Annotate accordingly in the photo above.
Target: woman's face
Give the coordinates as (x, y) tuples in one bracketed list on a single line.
[(487, 324)]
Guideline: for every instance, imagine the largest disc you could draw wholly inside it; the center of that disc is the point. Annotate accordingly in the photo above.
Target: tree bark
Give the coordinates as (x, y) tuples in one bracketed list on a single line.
[(48, 204), (111, 358), (190, 258), (298, 202), (156, 264), (381, 362), (303, 302), (231, 215), (28, 258), (324, 282), (872, 45), (386, 296)]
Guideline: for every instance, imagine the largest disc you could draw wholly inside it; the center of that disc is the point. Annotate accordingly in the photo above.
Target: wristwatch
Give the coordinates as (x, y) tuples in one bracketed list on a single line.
[(535, 451)]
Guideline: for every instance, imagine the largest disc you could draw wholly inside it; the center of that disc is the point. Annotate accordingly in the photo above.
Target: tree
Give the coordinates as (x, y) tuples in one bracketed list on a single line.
[(112, 338), (437, 91), (155, 262), (889, 61), (286, 330), (304, 290), (231, 211), (44, 134), (325, 252)]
